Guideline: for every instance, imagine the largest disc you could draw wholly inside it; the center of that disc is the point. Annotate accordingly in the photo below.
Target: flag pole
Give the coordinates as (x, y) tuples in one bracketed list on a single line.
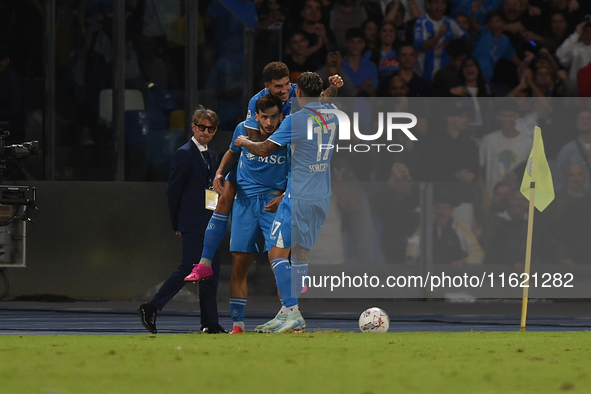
[(530, 230)]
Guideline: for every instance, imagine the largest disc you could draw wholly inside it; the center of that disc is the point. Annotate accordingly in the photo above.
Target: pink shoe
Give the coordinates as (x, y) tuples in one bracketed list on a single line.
[(304, 289), (237, 330), (200, 271)]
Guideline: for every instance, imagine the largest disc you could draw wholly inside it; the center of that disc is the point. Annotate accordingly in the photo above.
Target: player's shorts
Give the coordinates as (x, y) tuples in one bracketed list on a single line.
[(298, 222), (249, 218)]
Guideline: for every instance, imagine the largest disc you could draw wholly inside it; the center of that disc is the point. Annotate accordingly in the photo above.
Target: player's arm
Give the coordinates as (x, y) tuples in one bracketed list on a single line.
[(228, 161), (263, 148), (332, 90)]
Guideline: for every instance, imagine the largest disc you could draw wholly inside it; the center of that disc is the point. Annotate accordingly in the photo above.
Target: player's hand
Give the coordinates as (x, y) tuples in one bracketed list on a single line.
[(240, 140), (273, 204), (218, 183), (335, 81)]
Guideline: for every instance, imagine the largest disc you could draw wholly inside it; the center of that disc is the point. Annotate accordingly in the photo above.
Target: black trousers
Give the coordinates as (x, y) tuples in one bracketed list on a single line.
[(192, 247)]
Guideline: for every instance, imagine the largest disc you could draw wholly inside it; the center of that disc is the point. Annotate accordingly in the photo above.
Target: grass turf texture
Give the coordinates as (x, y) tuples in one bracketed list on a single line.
[(330, 362)]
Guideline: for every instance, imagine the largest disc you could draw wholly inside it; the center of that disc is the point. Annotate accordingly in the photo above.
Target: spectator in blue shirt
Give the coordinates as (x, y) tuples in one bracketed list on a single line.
[(363, 73), (493, 45)]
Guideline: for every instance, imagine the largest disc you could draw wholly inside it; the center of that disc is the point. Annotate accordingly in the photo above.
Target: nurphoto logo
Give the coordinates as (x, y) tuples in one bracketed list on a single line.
[(317, 125)]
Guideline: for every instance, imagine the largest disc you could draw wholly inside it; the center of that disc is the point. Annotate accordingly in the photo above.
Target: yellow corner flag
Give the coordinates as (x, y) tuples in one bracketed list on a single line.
[(537, 170)]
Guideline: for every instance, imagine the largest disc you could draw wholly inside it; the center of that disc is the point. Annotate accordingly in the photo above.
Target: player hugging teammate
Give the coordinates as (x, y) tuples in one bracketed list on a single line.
[(261, 182)]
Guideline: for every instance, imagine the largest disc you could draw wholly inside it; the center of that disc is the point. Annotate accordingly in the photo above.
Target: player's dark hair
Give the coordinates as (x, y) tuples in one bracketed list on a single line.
[(310, 84), (203, 113), (275, 70), (267, 102)]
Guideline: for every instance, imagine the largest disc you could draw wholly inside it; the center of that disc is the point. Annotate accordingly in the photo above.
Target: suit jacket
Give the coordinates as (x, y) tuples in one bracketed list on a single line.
[(188, 180)]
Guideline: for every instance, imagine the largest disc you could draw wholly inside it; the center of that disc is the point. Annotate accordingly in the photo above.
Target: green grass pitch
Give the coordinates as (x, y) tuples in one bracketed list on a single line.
[(312, 362)]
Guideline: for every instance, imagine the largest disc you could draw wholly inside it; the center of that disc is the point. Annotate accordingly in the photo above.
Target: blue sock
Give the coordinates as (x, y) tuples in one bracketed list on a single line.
[(282, 271), (237, 306), (299, 269), (216, 230)]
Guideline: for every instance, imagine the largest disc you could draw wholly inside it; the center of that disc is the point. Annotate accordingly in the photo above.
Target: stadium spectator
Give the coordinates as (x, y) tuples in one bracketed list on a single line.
[(270, 14), (498, 203), (384, 55), (362, 72), (417, 85), (503, 150), (453, 162), (396, 13), (192, 172), (453, 155), (576, 151), (472, 81), (509, 235), (432, 33), (370, 34), (345, 15), (397, 87), (556, 32), (334, 66), (518, 22), (575, 53), (396, 204), (573, 10), (570, 218), (450, 75), (320, 37), (297, 58), (493, 45), (453, 242), (476, 8)]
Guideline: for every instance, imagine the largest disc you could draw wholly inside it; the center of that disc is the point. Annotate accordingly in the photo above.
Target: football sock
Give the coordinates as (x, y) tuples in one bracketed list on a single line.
[(216, 230), (237, 306), (299, 269), (282, 270), (238, 324)]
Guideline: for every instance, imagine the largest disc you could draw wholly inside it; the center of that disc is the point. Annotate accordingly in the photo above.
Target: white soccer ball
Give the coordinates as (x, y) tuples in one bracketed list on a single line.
[(374, 320)]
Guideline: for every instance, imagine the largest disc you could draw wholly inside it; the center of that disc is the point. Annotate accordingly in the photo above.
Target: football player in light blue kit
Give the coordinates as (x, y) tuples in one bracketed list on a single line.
[(305, 205), (276, 79), (260, 183)]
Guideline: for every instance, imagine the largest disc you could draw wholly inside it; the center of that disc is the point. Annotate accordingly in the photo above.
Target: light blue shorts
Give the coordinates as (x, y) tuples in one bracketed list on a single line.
[(248, 219), (298, 222)]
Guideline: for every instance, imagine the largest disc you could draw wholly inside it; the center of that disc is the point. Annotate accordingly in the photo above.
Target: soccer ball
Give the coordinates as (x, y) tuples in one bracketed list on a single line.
[(374, 320)]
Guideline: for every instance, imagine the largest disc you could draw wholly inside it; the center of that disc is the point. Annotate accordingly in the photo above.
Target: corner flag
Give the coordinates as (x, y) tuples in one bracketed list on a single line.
[(537, 171)]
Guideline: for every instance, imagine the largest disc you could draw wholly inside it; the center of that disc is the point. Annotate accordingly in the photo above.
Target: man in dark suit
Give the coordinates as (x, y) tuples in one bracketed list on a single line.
[(192, 172)]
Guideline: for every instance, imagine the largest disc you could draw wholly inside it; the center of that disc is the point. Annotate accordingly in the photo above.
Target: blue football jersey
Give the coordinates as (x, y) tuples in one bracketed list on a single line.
[(251, 122), (259, 175), (309, 177)]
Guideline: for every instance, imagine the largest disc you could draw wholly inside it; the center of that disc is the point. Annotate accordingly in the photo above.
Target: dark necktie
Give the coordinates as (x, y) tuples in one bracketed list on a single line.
[(207, 158)]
